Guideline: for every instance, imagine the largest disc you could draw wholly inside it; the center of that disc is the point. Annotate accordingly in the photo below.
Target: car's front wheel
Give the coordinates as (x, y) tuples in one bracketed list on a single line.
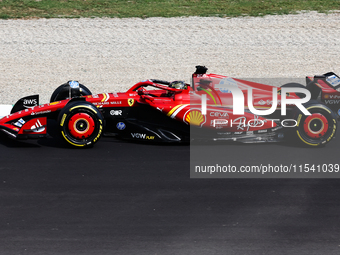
[(81, 124)]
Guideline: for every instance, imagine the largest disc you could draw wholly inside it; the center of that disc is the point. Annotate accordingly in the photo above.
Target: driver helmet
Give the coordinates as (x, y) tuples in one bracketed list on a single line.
[(178, 85)]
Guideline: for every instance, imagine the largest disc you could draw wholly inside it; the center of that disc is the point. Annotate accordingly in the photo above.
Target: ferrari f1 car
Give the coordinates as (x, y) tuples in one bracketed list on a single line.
[(176, 112)]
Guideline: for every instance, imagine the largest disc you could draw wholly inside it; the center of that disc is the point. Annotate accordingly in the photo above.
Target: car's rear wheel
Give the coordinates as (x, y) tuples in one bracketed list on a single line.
[(69, 89), (318, 128), (81, 123)]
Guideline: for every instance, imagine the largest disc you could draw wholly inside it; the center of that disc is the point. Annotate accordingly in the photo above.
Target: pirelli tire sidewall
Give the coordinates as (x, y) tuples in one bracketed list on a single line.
[(318, 128), (81, 124)]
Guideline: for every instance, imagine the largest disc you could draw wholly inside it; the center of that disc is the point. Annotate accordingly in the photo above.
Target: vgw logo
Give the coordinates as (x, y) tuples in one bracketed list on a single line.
[(238, 101), (142, 136)]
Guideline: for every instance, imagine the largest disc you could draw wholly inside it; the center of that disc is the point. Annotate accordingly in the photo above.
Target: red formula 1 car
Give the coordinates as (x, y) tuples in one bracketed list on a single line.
[(176, 112)]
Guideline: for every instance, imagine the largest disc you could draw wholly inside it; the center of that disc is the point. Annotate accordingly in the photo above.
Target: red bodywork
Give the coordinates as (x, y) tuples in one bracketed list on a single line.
[(181, 105), (156, 111)]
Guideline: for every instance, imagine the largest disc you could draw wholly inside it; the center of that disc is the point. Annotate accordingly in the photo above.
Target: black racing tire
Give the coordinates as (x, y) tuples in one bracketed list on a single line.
[(316, 129), (81, 124), (294, 85), (63, 92)]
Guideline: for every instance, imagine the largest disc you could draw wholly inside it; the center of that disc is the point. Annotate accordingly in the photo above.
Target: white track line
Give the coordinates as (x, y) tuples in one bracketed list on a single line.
[(5, 110)]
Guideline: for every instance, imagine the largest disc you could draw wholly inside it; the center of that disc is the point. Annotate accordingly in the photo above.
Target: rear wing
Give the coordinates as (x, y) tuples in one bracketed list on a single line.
[(325, 83)]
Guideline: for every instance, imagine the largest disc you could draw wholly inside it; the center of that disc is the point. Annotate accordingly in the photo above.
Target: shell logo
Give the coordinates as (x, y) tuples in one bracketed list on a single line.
[(194, 117), (54, 103)]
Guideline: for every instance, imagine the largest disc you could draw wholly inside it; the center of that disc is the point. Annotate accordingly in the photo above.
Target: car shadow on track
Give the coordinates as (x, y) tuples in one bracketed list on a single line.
[(55, 139), (12, 143)]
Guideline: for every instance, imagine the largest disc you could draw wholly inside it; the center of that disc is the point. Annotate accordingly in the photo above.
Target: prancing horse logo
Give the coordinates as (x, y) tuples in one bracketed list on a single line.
[(131, 101)]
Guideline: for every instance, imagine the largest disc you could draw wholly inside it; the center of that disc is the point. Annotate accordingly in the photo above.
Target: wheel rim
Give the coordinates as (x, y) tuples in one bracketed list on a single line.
[(315, 125), (81, 125)]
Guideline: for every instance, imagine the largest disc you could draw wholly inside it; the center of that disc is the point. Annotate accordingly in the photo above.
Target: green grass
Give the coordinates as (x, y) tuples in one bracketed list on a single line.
[(13, 9)]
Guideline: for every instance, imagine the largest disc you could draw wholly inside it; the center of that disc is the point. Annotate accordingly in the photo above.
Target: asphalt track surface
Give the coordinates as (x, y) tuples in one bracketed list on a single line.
[(127, 198)]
